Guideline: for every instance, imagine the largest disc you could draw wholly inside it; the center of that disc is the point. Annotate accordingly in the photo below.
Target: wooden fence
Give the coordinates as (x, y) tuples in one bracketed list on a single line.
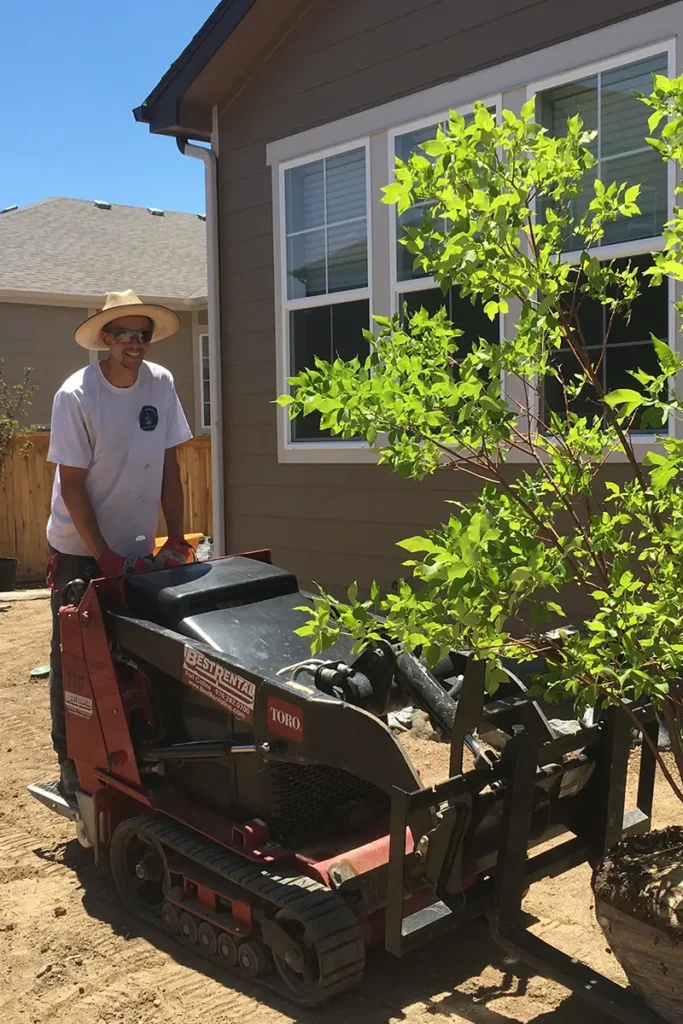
[(26, 488)]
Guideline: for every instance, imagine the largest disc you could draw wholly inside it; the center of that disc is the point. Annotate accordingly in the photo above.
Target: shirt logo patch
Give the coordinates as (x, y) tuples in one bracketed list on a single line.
[(149, 417)]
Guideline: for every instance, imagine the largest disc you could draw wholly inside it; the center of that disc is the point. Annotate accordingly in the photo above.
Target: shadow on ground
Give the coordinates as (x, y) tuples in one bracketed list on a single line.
[(428, 978)]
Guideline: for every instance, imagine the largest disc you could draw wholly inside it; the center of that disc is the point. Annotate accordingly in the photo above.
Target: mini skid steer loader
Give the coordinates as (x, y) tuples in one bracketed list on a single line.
[(254, 802)]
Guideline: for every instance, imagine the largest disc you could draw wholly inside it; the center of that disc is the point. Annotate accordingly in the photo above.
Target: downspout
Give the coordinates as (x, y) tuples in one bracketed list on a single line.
[(208, 157)]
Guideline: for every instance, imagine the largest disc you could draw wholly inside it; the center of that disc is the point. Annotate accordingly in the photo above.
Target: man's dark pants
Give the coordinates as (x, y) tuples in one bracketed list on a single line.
[(64, 569)]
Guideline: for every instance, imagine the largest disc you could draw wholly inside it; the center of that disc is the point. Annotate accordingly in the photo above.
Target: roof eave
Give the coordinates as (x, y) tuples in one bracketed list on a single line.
[(162, 110), (173, 117), (36, 298)]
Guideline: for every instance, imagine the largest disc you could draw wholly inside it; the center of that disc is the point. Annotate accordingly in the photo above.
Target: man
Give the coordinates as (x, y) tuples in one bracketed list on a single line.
[(115, 427)]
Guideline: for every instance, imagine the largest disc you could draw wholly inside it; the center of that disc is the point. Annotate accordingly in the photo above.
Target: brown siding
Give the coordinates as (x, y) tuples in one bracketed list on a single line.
[(333, 523), (41, 337)]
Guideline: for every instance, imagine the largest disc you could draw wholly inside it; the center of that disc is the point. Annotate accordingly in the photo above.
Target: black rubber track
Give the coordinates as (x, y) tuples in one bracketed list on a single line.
[(330, 923)]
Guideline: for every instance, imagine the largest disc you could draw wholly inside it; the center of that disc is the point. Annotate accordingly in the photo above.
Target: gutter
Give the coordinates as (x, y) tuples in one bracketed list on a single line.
[(208, 158)]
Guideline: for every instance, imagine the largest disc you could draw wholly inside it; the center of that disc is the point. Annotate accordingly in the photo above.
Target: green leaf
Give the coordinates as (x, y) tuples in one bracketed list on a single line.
[(413, 544), (491, 309), (434, 147), (284, 400), (520, 574), (393, 192), (626, 397), (494, 676)]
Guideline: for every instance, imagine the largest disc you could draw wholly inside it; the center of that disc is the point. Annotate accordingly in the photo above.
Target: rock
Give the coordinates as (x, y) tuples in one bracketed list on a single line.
[(157, 1003), (44, 970), (564, 728), (45, 947), (60, 912), (492, 737), (401, 720), (205, 549), (663, 738), (81, 989), (422, 727)]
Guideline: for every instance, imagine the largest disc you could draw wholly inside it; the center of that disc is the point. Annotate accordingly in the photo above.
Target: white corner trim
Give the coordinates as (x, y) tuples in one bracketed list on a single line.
[(600, 45)]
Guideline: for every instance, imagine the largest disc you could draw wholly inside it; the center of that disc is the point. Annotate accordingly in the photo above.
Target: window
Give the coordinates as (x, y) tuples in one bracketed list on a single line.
[(336, 265), (606, 102), (326, 277), (205, 380), (411, 286)]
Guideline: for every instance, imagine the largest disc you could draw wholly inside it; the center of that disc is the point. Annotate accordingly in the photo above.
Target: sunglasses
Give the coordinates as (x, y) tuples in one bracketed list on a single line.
[(125, 335)]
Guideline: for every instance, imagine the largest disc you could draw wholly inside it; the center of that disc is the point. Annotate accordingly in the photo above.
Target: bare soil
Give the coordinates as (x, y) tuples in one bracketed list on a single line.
[(70, 955)]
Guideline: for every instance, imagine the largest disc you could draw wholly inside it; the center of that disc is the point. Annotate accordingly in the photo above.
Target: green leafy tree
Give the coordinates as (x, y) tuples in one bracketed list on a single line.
[(14, 401), (498, 200)]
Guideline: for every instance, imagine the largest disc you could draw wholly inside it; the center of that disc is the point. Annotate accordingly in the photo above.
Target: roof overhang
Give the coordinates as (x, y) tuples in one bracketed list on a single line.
[(230, 45), (93, 301)]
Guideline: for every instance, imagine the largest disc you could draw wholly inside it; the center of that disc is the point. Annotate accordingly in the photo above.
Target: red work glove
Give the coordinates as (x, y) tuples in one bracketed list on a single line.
[(111, 564), (176, 551)]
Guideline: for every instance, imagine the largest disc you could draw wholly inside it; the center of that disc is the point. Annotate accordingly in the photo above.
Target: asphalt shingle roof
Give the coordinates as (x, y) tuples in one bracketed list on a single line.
[(72, 247)]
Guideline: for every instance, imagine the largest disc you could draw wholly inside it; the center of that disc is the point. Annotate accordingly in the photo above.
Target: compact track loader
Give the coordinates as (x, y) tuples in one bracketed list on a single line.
[(255, 804)]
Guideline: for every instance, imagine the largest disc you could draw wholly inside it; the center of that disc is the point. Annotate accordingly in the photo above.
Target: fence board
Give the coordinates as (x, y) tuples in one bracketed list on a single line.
[(26, 489)]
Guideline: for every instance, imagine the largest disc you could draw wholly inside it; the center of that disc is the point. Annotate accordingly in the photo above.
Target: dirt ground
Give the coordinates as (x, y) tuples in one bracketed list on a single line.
[(69, 954)]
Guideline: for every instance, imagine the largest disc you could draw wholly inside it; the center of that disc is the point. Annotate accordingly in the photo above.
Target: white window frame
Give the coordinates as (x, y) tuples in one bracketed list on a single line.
[(508, 85), (286, 443), (426, 283), (201, 419), (642, 442), (421, 283)]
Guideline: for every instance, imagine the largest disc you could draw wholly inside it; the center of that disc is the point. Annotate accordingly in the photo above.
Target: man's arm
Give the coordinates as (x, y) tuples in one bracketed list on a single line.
[(172, 494), (80, 509)]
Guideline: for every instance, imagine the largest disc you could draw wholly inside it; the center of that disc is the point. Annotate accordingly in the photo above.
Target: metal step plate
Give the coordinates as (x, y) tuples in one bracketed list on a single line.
[(48, 793)]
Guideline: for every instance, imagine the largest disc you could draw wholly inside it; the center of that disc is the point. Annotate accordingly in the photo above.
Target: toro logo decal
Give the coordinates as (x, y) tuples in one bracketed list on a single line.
[(285, 719), (219, 684)]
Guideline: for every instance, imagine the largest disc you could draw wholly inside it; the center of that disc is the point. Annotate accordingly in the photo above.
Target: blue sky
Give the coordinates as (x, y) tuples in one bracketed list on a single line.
[(70, 74)]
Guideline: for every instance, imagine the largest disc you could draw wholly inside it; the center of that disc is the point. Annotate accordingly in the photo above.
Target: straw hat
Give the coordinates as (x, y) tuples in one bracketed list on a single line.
[(127, 303)]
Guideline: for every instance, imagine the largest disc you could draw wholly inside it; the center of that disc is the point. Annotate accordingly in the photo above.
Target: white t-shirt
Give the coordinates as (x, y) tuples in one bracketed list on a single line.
[(120, 435)]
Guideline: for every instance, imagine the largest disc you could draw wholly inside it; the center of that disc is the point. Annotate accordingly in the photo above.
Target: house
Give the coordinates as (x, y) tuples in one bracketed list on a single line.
[(301, 107), (58, 259)]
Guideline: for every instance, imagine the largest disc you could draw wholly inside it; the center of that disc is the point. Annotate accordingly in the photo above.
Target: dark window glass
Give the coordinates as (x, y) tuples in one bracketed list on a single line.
[(327, 332), (463, 314), (629, 346)]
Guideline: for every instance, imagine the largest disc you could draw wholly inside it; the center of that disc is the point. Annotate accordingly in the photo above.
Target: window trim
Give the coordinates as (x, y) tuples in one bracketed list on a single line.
[(643, 442), (287, 446), (203, 425)]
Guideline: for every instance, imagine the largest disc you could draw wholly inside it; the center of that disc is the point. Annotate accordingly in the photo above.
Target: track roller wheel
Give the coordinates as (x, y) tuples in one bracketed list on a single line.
[(310, 967), (207, 938), (138, 864), (188, 928), (227, 949), (253, 958), (170, 917)]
